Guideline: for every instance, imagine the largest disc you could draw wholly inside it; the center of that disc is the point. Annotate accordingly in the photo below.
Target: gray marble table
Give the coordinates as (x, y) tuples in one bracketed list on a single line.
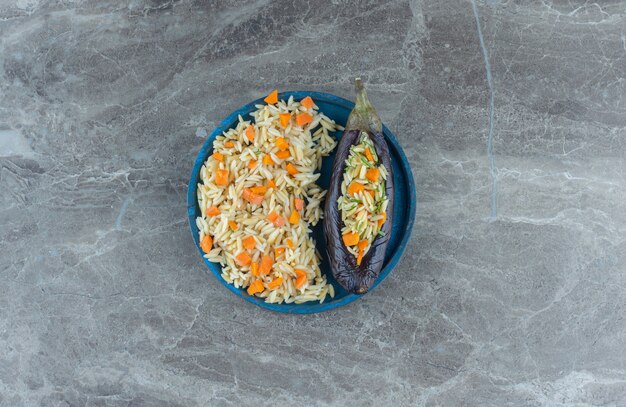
[(513, 288)]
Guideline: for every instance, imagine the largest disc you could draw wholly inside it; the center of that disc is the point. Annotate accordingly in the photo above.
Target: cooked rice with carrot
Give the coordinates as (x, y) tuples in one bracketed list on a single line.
[(363, 201), (258, 197)]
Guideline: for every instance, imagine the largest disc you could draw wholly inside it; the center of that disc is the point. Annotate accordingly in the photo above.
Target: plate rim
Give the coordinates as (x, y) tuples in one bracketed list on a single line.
[(308, 307)]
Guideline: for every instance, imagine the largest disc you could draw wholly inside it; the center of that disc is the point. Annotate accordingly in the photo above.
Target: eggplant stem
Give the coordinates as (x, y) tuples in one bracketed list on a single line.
[(363, 117)]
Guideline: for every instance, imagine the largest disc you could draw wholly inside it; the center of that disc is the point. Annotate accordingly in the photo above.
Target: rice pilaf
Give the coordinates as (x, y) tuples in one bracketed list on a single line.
[(258, 197)]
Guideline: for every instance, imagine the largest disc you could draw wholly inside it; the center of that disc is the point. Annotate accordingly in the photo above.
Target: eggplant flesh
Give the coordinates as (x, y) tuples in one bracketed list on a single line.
[(357, 279)]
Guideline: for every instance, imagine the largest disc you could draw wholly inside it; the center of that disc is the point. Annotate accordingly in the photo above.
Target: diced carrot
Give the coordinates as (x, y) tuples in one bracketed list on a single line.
[(281, 143), (303, 118), (368, 154), (284, 119), (298, 203), (279, 251), (359, 258), (233, 225), (355, 187), (213, 211), (249, 242), (219, 157), (307, 102), (275, 219), (291, 169), (279, 222), (382, 221), (372, 174), (300, 278), (259, 190), (250, 133), (252, 197), (271, 184), (294, 218), (362, 244), (254, 268), (267, 160), (266, 265), (272, 216), (351, 239), (371, 192), (283, 154), (206, 244), (221, 177), (271, 98), (275, 283), (243, 259), (289, 243), (256, 287), (229, 144), (251, 164)]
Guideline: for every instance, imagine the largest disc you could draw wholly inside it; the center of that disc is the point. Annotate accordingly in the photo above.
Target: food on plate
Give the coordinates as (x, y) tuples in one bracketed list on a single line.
[(359, 206), (258, 197)]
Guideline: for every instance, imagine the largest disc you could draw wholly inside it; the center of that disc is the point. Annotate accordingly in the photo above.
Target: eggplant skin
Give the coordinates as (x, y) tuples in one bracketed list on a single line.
[(356, 279)]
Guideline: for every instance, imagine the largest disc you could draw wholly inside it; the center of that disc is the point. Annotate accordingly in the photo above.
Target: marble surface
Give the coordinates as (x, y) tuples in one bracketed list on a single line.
[(513, 288)]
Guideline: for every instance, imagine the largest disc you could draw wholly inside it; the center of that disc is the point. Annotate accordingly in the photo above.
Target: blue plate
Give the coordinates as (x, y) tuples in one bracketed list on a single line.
[(337, 109)]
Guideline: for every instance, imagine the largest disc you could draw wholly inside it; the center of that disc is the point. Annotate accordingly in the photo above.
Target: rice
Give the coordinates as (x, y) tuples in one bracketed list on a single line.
[(363, 201), (247, 202)]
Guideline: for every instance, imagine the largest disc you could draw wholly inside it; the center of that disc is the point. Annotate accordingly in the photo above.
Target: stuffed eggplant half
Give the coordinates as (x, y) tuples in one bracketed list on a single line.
[(359, 207)]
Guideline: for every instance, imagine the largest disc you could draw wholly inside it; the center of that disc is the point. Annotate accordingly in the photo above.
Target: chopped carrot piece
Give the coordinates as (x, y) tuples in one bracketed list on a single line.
[(249, 242), (368, 154), (221, 177), (243, 259), (300, 278), (250, 133), (283, 154), (233, 225), (279, 251), (251, 165), (355, 187), (254, 268), (271, 184), (272, 216), (362, 244), (307, 102), (271, 98), (267, 160), (371, 192), (281, 143), (298, 203), (256, 287), (252, 197), (279, 222), (266, 265), (229, 144), (303, 118), (206, 244), (275, 219), (359, 258), (275, 283), (372, 174), (213, 211), (289, 243), (291, 169), (284, 119), (382, 221), (351, 239), (294, 218), (259, 190), (219, 157)]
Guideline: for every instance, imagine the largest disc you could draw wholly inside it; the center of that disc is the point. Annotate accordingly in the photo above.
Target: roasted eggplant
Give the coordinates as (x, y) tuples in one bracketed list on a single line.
[(355, 261)]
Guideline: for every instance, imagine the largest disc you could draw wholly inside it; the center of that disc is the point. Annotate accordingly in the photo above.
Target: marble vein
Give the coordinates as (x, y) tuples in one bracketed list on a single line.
[(492, 161)]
